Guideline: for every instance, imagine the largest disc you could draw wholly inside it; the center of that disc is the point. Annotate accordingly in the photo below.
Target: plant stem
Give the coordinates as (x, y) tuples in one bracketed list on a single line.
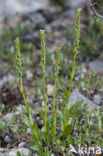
[(70, 87), (25, 102), (43, 59), (54, 111), (45, 100), (54, 93), (76, 49), (56, 75), (19, 70)]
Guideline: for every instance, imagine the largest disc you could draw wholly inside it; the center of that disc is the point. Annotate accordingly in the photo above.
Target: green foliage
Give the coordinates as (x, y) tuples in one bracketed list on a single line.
[(20, 154), (3, 125), (90, 42), (49, 140), (61, 3), (83, 81), (66, 127), (99, 3), (7, 47), (88, 129), (68, 117), (11, 33)]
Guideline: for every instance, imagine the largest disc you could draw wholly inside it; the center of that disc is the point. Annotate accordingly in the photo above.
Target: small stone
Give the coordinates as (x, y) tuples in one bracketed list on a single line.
[(7, 139), (58, 24), (77, 96), (12, 153), (48, 28), (76, 3), (29, 75), (3, 152), (23, 151), (84, 70), (37, 18), (49, 106), (2, 81), (97, 99), (8, 117), (39, 72), (96, 66), (38, 118), (50, 89), (5, 79), (29, 131), (22, 144)]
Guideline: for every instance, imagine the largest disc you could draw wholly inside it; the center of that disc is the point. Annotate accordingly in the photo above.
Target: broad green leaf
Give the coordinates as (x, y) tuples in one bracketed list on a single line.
[(47, 152), (67, 131), (35, 132), (35, 148), (46, 136), (18, 153), (60, 115), (25, 120)]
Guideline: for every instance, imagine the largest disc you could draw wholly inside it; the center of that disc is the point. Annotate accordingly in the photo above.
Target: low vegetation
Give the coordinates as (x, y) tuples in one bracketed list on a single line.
[(65, 125)]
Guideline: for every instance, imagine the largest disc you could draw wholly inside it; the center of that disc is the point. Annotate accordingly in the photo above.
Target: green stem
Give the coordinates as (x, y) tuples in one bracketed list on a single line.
[(54, 125), (70, 87), (76, 47), (44, 93), (57, 67), (54, 111), (19, 70), (54, 93), (43, 61), (25, 102)]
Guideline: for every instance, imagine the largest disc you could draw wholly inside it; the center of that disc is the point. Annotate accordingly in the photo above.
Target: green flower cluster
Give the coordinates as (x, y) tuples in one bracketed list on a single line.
[(43, 54), (77, 32), (18, 58)]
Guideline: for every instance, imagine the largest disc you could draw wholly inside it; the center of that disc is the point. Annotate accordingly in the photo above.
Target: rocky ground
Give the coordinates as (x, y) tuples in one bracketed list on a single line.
[(25, 20)]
